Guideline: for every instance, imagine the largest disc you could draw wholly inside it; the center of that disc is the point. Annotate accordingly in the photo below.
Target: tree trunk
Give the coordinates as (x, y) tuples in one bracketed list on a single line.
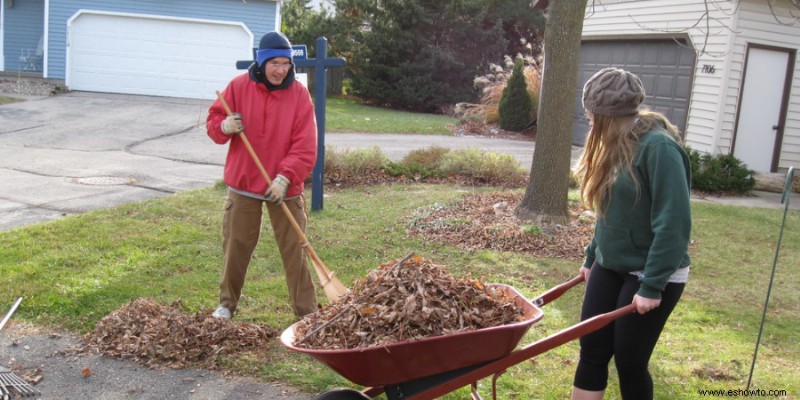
[(545, 199)]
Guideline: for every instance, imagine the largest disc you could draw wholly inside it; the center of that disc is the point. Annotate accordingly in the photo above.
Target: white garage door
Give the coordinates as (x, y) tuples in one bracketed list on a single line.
[(154, 55)]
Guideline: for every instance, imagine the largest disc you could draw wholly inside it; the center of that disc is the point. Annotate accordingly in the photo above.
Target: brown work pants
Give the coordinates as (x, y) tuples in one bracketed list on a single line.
[(241, 228)]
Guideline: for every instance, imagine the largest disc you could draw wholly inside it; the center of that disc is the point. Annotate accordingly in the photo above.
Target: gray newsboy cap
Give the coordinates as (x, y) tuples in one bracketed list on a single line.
[(613, 92)]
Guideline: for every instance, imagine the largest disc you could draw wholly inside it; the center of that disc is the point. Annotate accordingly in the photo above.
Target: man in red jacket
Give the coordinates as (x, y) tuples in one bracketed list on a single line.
[(277, 112)]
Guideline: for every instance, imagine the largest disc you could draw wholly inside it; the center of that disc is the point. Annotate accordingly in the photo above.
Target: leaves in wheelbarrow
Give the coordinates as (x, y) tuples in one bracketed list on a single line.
[(157, 335), (406, 300)]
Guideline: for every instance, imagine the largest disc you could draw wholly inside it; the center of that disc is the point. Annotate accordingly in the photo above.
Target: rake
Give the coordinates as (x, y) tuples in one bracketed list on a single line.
[(12, 385)]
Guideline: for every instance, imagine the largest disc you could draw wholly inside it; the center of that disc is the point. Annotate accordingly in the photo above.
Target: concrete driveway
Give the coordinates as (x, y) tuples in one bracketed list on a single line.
[(80, 151)]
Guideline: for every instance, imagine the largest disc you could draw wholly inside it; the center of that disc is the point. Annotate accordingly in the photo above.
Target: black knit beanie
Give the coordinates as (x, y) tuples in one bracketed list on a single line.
[(613, 92)]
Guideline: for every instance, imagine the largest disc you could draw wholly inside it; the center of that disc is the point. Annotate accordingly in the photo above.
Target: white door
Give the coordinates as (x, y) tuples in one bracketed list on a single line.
[(760, 108), (153, 55)]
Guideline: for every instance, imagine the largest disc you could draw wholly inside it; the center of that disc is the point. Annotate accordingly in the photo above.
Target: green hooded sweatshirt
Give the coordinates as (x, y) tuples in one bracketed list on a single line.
[(647, 230)]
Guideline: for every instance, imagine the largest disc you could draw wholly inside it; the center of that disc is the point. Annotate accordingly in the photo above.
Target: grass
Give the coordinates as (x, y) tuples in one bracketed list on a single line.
[(76, 270), (7, 100), (345, 115)]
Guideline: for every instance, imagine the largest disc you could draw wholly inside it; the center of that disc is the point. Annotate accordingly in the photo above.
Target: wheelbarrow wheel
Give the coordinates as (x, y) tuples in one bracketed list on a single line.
[(342, 394)]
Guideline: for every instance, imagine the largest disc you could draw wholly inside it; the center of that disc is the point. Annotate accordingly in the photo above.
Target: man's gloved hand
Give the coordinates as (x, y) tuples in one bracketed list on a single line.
[(277, 191), (233, 124)]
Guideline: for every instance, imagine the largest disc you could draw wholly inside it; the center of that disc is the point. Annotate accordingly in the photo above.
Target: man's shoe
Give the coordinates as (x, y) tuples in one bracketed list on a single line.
[(222, 312)]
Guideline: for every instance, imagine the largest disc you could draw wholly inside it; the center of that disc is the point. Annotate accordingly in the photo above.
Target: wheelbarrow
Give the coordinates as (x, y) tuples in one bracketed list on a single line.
[(428, 368)]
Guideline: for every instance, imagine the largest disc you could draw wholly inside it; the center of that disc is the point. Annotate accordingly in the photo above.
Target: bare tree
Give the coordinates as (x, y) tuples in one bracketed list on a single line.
[(545, 197)]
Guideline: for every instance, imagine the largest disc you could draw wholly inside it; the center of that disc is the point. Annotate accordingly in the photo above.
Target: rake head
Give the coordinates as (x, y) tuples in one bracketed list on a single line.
[(12, 386)]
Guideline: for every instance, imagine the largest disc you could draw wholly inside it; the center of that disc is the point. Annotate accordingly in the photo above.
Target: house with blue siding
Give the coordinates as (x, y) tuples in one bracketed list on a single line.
[(178, 48)]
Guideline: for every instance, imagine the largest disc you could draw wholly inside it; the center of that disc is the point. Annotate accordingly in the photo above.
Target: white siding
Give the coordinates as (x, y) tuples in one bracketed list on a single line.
[(677, 19), (758, 24), (720, 45)]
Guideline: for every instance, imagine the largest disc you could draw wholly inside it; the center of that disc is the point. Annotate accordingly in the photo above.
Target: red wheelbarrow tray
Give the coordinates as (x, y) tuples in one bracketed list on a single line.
[(412, 359)]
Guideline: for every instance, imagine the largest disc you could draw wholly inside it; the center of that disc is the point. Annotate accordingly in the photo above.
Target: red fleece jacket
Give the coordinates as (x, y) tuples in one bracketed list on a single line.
[(281, 127)]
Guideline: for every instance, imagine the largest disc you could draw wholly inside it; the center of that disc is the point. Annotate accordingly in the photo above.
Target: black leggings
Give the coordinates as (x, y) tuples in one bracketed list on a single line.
[(629, 339)]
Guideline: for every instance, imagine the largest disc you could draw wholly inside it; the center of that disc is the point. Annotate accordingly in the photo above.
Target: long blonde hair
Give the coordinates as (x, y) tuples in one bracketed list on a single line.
[(610, 148)]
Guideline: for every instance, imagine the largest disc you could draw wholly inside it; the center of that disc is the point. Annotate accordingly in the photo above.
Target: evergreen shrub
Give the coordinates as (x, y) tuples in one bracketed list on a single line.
[(722, 173), (516, 104)]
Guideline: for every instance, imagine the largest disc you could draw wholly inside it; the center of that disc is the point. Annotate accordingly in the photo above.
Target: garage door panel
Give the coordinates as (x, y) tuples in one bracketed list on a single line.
[(664, 66), (150, 55), (651, 57)]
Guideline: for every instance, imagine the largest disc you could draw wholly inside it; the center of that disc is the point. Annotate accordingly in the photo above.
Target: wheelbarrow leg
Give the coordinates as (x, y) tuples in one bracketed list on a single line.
[(342, 394), (474, 392)]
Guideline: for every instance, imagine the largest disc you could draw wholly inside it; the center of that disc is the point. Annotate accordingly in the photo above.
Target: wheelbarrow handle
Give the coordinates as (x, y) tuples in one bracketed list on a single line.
[(557, 291), (498, 366)]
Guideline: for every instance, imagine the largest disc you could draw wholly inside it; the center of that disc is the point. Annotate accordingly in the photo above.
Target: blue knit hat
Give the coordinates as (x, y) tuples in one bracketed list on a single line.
[(273, 44)]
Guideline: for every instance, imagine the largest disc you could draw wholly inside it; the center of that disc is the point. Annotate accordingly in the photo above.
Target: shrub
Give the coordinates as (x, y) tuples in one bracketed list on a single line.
[(354, 165), (516, 104), (719, 174), (419, 164), (492, 85), (430, 156), (489, 168)]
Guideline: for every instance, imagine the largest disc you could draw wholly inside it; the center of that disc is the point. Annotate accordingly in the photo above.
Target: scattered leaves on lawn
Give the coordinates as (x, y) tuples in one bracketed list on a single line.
[(487, 221), (157, 335), (405, 300)]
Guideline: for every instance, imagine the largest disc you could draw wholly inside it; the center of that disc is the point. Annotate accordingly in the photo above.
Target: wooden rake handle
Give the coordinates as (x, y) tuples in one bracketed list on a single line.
[(327, 277)]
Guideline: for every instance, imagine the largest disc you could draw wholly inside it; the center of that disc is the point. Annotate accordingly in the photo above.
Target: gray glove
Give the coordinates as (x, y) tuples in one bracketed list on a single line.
[(232, 124), (277, 190)]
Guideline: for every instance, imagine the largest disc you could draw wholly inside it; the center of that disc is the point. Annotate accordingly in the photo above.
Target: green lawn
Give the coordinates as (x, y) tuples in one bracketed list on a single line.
[(76, 270), (7, 100), (343, 115)]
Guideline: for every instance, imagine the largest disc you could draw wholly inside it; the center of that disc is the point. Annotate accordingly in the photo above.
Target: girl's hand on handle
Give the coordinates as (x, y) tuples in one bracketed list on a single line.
[(585, 272), (645, 304)]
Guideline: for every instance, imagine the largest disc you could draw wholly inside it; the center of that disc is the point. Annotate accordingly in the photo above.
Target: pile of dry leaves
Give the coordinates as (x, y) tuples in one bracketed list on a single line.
[(157, 335), (404, 300), (487, 221)]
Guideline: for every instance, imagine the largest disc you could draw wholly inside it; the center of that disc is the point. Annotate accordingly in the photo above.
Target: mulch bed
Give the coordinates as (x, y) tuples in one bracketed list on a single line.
[(478, 128), (487, 221)]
